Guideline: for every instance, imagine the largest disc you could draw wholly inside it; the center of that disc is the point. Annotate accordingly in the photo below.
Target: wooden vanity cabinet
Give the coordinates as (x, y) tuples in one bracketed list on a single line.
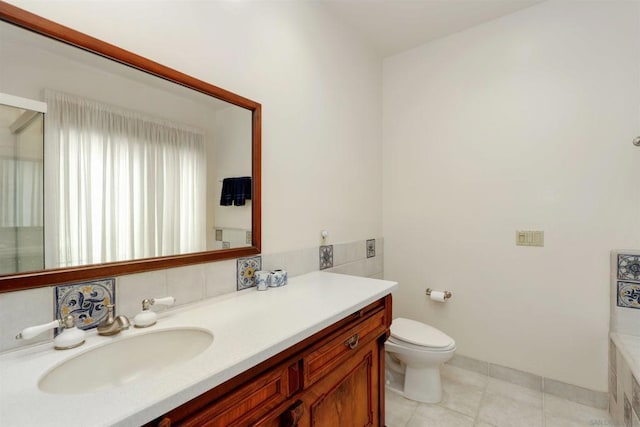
[(333, 378)]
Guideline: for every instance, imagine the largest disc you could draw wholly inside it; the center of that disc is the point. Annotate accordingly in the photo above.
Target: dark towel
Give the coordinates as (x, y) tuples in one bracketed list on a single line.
[(235, 191)]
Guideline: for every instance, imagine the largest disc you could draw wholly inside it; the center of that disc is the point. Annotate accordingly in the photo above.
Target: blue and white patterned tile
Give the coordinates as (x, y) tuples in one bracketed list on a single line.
[(371, 248), (628, 295), (326, 257), (629, 267), (86, 302), (245, 270)]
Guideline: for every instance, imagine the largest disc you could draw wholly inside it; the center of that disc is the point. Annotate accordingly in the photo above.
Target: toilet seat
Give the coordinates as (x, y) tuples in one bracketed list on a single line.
[(419, 348), (417, 335)]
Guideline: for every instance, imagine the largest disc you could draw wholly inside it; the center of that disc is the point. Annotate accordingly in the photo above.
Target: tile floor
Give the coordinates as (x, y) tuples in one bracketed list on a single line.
[(475, 400)]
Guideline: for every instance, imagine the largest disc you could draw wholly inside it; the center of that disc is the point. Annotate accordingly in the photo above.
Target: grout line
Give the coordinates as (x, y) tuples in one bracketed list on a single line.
[(411, 416), (476, 418)]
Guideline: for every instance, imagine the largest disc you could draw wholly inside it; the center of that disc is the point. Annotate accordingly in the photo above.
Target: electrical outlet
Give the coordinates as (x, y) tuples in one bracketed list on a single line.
[(529, 238)]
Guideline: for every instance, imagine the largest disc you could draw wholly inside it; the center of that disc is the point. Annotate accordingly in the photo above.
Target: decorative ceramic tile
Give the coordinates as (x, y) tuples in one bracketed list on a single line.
[(85, 301), (326, 257), (246, 268), (629, 267), (218, 235), (226, 245), (371, 248), (628, 295)]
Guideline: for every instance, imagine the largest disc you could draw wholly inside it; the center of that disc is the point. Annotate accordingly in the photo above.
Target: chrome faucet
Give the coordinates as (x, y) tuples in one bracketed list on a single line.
[(113, 325)]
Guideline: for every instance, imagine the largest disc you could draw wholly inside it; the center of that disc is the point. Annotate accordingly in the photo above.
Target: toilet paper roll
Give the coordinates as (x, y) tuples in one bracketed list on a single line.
[(437, 296)]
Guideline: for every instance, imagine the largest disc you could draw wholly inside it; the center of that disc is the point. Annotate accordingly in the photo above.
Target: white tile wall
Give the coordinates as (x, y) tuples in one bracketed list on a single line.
[(515, 376), (19, 310), (624, 389), (177, 278), (186, 284), (535, 383), (220, 277), (133, 288)]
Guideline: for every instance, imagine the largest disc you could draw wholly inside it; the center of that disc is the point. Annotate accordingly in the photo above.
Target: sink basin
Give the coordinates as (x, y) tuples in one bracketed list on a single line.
[(125, 360)]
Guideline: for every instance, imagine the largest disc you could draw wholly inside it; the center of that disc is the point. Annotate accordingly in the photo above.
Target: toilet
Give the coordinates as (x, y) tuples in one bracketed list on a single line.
[(414, 353)]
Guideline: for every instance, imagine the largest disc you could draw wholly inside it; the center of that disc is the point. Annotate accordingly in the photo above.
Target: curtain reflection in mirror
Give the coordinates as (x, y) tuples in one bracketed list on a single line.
[(123, 185)]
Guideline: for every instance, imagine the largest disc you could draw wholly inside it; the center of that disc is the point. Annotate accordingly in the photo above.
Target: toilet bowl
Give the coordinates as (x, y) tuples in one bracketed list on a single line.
[(414, 353)]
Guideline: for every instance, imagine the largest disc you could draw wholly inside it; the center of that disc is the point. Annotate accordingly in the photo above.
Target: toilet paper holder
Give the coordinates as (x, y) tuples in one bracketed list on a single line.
[(447, 294)]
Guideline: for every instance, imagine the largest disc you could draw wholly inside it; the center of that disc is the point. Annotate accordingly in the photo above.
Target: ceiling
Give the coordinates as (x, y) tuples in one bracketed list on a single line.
[(393, 26)]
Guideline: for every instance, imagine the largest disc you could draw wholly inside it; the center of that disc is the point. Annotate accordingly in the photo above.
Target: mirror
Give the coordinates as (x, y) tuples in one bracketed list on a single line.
[(21, 189), (133, 166)]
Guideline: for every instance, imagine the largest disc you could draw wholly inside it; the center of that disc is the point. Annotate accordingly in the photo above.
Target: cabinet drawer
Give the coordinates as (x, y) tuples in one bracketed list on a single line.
[(246, 404), (321, 360)]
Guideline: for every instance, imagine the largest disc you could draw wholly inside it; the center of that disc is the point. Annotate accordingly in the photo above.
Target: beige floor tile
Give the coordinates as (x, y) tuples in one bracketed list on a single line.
[(514, 392), (482, 424), (551, 420), (558, 407), (460, 397), (398, 410), (435, 416), (504, 411), (464, 376)]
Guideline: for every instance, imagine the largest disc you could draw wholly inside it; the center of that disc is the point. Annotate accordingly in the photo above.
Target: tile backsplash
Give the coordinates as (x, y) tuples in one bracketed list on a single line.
[(629, 267), (625, 292), (205, 281), (246, 271), (86, 301), (326, 257)]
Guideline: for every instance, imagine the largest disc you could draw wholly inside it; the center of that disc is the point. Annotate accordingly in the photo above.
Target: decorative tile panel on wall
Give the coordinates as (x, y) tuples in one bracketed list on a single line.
[(371, 248), (326, 257), (628, 295), (246, 269), (628, 284), (86, 302), (629, 267)]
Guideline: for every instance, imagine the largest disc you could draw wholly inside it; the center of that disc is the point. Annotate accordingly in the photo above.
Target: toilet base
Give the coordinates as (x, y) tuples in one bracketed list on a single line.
[(423, 384)]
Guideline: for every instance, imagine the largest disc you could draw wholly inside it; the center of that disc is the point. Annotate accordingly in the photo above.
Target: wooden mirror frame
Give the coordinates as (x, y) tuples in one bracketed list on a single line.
[(50, 29)]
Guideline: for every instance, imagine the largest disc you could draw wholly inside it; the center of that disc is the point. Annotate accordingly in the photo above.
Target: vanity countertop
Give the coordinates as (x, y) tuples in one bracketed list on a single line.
[(248, 327)]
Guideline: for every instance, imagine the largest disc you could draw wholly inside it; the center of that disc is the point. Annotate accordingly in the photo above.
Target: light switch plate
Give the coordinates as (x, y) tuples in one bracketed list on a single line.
[(529, 238)]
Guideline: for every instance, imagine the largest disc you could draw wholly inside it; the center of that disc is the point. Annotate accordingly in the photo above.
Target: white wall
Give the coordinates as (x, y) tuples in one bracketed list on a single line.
[(319, 87), (524, 122), (233, 159)]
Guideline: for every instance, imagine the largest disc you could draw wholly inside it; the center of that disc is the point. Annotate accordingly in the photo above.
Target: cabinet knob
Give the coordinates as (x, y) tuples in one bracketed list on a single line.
[(292, 416), (352, 342)]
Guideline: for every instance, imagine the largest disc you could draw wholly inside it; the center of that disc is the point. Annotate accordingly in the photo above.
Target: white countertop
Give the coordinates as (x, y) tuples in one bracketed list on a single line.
[(248, 328), (629, 348)]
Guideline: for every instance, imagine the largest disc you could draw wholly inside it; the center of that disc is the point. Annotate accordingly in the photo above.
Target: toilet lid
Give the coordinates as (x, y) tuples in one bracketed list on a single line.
[(418, 333)]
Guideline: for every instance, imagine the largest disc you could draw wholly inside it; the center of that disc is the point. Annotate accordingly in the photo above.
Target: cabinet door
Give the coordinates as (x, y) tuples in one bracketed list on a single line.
[(248, 403), (349, 395)]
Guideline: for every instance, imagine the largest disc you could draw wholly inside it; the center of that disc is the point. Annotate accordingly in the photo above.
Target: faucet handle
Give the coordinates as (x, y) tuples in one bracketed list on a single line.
[(32, 331), (163, 301), (70, 337), (146, 317)]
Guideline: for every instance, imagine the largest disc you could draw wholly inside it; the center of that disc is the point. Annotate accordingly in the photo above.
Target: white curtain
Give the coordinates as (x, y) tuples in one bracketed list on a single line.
[(20, 193), (121, 185)]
